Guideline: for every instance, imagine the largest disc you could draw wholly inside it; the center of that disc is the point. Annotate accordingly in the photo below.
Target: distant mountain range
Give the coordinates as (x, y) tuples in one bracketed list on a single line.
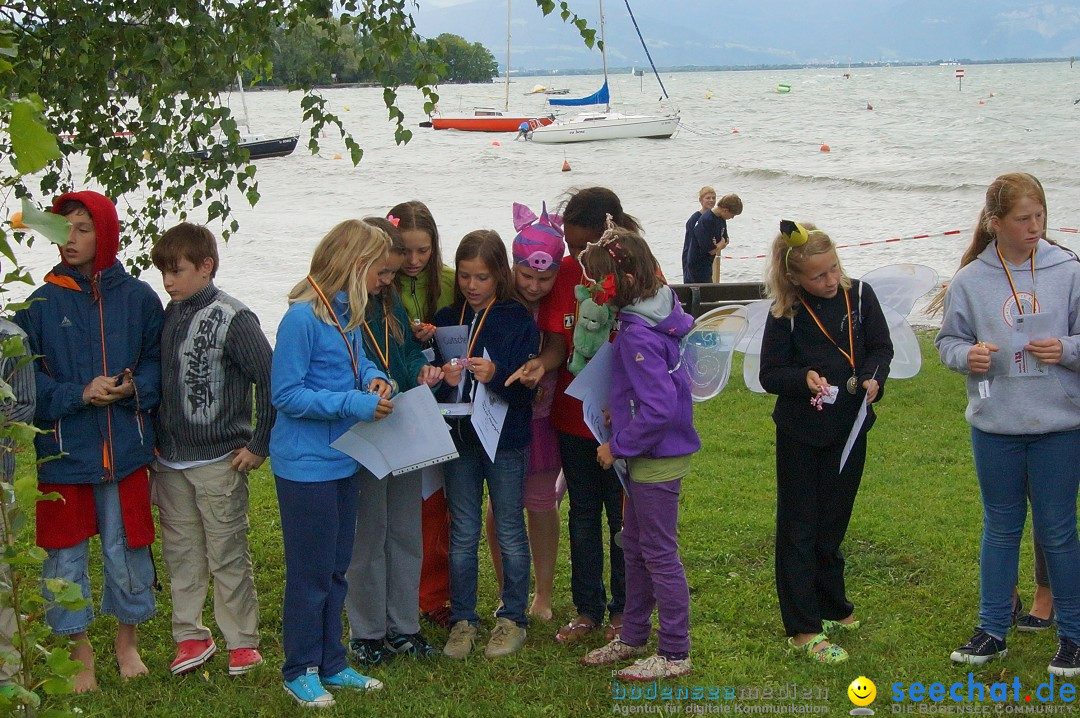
[(765, 32)]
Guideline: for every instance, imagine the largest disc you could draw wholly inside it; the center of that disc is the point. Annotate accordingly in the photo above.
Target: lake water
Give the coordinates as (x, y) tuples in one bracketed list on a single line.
[(918, 163)]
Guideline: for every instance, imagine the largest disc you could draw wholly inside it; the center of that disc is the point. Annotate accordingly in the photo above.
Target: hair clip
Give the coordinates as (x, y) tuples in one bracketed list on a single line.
[(604, 290), (392, 219)]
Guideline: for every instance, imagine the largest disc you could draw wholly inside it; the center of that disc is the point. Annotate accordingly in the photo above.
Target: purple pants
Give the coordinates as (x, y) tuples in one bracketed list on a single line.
[(654, 571)]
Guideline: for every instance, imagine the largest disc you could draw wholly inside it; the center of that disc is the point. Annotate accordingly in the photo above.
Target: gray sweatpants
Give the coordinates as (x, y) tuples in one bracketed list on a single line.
[(384, 576)]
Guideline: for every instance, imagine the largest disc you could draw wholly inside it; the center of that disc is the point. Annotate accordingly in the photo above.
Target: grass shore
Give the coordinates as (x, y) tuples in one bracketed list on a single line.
[(912, 566)]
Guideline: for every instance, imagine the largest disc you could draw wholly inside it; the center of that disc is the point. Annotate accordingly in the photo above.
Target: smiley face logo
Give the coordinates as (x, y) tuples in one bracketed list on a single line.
[(862, 691)]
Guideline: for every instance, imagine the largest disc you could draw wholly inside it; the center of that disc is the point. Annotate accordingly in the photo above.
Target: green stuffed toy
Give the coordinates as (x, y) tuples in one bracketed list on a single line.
[(592, 330)]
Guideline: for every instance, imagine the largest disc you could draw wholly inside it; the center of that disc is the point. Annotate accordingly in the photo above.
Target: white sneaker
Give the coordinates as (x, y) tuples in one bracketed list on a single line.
[(654, 667), (461, 640), (613, 652), (506, 638)]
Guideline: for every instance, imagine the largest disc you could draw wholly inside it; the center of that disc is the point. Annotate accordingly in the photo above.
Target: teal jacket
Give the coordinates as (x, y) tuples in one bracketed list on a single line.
[(405, 358)]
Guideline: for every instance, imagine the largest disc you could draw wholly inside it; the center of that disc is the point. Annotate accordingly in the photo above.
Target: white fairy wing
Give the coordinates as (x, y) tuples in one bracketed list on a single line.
[(898, 285), (907, 358), (708, 349), (757, 312)]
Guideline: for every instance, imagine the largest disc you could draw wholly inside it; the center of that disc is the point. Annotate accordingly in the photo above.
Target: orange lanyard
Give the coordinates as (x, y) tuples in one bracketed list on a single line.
[(344, 337), (475, 334), (1012, 286), (851, 334), (384, 358)]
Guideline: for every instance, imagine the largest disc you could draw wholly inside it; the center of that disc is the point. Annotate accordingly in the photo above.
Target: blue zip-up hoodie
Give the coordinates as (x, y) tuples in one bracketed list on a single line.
[(84, 328), (511, 338), (652, 411), (316, 395)]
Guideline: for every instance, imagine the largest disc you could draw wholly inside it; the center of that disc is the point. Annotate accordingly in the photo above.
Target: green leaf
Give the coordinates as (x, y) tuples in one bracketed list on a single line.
[(52, 226), (60, 662), (33, 145)]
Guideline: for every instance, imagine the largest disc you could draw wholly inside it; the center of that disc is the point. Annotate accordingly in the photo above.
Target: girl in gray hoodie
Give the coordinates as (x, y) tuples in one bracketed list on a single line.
[(1012, 325)]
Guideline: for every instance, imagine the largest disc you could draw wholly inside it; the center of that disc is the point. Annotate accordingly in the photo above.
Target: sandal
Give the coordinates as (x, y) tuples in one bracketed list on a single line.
[(830, 626), (614, 628), (576, 630), (830, 654), (1033, 624)]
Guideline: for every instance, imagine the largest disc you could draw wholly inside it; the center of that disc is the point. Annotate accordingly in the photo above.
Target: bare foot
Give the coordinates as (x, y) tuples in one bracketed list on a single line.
[(541, 610), (82, 651), (1042, 606), (128, 659)]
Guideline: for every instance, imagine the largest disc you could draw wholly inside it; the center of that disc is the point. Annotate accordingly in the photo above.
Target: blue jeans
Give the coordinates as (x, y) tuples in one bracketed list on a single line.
[(465, 496), (1012, 469), (129, 573), (318, 520), (593, 491)]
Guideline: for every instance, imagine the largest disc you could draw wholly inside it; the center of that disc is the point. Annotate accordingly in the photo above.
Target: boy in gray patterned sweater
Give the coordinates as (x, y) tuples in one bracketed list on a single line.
[(212, 352)]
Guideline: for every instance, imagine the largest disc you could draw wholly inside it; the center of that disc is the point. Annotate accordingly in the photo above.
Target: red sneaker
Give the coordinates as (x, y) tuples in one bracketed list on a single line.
[(242, 660), (192, 654), (439, 617)]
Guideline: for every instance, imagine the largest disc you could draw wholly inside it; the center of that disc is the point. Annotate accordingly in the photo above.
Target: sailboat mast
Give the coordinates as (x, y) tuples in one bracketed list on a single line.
[(603, 52), (243, 101), (506, 105)]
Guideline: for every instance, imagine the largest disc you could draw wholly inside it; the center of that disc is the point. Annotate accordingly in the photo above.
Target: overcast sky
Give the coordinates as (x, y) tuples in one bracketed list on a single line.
[(750, 32)]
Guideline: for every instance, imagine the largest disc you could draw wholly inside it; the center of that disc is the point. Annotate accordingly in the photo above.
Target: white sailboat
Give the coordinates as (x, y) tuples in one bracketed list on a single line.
[(259, 147), (606, 125)]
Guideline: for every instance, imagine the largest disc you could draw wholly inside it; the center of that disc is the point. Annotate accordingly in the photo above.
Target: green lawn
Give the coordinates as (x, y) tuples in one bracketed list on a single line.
[(912, 553)]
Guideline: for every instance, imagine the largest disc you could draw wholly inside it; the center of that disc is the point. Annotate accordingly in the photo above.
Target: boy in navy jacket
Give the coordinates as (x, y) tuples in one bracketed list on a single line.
[(97, 330)]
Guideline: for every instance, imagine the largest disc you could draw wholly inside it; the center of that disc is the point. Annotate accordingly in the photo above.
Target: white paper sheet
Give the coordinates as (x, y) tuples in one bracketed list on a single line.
[(1027, 328), (596, 399), (596, 376), (488, 416), (431, 480), (453, 341), (860, 419), (412, 437)]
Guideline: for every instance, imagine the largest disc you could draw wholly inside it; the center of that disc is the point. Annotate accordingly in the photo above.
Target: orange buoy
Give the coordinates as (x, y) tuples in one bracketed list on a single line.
[(566, 165), (16, 221), (495, 143), (734, 131), (826, 148)]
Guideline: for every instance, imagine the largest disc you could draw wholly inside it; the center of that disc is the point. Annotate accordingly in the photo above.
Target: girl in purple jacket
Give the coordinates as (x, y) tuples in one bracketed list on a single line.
[(652, 428)]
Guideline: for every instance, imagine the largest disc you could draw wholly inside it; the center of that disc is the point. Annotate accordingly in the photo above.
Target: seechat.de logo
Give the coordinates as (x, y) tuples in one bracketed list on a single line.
[(862, 693)]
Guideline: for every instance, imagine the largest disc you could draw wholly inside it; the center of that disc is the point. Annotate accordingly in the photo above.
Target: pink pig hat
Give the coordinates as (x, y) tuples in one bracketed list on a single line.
[(539, 242)]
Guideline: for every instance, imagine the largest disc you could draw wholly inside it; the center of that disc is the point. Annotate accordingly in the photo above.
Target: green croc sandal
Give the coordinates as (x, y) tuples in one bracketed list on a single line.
[(830, 626), (829, 654)]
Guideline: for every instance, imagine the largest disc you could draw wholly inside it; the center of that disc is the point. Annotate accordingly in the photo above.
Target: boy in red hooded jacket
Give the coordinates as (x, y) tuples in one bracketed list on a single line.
[(97, 332)]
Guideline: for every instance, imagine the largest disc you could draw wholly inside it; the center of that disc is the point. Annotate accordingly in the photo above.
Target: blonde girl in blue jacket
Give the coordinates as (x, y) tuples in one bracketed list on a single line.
[(322, 383)]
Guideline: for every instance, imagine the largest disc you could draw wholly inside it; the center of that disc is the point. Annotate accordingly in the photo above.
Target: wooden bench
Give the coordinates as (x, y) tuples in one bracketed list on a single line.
[(697, 299)]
